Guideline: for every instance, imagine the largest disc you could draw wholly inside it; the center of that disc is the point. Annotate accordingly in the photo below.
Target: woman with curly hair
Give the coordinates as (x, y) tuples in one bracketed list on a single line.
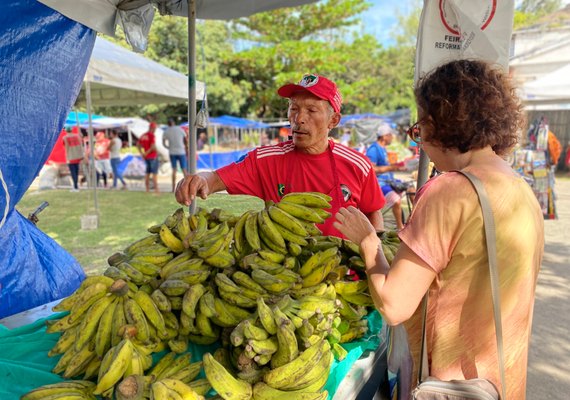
[(469, 117)]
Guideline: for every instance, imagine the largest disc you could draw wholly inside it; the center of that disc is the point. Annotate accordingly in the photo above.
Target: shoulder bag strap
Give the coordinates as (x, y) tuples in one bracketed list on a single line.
[(489, 224)]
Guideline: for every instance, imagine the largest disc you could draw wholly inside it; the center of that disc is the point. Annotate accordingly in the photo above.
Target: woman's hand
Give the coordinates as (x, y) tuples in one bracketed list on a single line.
[(353, 224)]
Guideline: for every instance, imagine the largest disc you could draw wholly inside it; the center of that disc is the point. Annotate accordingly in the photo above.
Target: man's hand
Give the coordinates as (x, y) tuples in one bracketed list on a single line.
[(189, 187)]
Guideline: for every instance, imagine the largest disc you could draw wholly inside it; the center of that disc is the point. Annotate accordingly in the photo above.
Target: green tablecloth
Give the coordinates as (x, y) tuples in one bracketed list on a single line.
[(24, 364)]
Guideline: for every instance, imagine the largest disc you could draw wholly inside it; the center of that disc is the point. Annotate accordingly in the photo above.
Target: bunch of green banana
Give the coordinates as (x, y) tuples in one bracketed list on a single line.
[(77, 389)]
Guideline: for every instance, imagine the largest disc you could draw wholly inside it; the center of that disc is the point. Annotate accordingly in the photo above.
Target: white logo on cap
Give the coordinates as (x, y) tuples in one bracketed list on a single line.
[(309, 80)]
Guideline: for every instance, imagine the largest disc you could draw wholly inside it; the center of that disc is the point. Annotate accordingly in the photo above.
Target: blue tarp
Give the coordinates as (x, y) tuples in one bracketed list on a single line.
[(218, 160), (43, 58), (346, 119)]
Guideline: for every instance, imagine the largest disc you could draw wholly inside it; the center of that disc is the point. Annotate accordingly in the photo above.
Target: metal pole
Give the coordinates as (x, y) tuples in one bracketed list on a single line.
[(91, 146), (423, 167), (192, 93)]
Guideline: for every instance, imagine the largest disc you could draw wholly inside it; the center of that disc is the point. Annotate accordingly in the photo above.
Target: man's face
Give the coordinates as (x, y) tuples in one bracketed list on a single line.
[(311, 119)]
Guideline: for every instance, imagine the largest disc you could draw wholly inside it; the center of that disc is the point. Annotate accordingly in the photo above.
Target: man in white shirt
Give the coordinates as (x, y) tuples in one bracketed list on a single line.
[(174, 139)]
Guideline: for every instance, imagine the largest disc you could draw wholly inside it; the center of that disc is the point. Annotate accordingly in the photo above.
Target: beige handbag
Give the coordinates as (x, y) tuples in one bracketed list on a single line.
[(430, 388)]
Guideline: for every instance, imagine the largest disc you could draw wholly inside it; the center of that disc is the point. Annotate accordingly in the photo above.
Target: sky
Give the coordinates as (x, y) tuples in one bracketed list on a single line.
[(381, 19)]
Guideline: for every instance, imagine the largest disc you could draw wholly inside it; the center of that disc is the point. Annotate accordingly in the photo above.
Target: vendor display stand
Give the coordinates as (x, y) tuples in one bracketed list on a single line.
[(366, 377), (534, 165)]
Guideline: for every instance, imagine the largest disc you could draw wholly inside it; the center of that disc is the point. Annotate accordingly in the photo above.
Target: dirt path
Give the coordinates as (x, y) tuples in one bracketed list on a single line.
[(549, 357)]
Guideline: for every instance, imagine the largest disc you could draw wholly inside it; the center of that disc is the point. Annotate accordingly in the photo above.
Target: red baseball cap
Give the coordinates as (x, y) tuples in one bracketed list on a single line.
[(318, 85), (152, 125)]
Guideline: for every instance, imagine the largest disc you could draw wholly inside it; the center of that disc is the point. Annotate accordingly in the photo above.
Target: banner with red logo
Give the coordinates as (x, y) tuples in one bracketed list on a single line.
[(459, 29)]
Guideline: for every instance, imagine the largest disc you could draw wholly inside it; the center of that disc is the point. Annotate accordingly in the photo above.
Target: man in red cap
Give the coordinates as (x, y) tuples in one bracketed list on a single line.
[(147, 148), (310, 162)]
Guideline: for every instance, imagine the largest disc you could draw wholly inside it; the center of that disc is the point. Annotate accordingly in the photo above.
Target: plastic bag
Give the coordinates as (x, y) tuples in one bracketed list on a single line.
[(400, 363)]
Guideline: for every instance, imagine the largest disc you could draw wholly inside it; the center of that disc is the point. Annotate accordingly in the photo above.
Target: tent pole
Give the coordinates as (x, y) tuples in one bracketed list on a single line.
[(91, 147), (192, 93), (130, 138)]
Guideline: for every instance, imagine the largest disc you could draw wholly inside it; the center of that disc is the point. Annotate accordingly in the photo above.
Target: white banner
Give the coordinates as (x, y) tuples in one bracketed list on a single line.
[(459, 29)]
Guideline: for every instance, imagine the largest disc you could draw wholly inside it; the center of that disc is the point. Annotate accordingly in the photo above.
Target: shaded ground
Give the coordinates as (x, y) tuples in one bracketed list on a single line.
[(549, 356)]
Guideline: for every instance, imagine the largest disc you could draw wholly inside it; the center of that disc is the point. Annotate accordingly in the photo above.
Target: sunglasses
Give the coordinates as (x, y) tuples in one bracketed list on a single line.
[(414, 132)]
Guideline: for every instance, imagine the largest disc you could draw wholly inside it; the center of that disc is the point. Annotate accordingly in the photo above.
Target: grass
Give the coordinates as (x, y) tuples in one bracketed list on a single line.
[(124, 217)]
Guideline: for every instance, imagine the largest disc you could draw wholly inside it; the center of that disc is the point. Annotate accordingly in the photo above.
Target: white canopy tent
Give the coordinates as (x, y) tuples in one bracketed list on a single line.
[(119, 77), (553, 88)]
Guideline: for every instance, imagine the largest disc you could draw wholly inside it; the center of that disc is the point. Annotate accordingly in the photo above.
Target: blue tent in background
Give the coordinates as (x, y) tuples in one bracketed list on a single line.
[(230, 121), (43, 58), (82, 116), (351, 118)]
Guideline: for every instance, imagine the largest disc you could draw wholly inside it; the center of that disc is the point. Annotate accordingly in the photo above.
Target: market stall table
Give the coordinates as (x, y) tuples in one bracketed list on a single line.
[(364, 377)]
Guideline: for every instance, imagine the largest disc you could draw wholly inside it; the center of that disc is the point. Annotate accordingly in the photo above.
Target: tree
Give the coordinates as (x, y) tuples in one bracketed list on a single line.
[(321, 37)]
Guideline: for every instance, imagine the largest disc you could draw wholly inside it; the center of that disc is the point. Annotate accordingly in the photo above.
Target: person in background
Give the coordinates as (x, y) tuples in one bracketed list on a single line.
[(73, 144), (346, 137), (102, 157), (174, 139), (309, 162), (116, 146), (147, 147), (384, 170), (202, 140), (469, 118)]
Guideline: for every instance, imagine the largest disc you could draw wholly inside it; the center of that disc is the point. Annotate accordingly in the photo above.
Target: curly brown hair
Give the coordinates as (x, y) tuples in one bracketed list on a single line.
[(470, 104)]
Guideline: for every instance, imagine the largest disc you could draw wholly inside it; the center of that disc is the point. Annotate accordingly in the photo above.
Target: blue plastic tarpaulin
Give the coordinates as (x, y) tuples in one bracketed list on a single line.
[(43, 58)]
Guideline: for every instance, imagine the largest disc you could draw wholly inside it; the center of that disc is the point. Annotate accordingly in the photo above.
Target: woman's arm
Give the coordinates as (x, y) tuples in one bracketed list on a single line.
[(396, 290)]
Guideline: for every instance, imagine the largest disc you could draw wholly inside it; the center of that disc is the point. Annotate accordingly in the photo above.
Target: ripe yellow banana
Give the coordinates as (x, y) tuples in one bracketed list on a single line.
[(159, 259), (252, 232), (268, 228), (140, 244), (291, 237), (262, 391), (350, 287), (300, 212), (360, 299), (224, 316), (309, 199), (177, 364), (191, 264), (318, 274), (88, 327), (287, 221), (243, 279), (170, 240), (222, 259), (151, 311), (161, 300), (86, 299), (288, 374), (270, 282), (65, 341), (78, 363), (76, 386), (162, 364), (121, 358), (188, 373), (136, 317), (223, 382), (266, 316), (239, 233), (104, 330), (191, 299), (191, 277), (316, 259), (184, 391), (174, 287), (288, 348), (200, 386), (254, 332)]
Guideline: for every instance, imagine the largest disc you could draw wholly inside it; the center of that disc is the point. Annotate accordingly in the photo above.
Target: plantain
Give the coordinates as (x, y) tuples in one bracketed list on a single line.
[(309, 199), (287, 221), (191, 298), (252, 232), (223, 382), (300, 212)]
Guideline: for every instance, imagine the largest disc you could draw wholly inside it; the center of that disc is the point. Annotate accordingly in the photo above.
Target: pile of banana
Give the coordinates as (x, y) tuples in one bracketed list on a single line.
[(276, 294)]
